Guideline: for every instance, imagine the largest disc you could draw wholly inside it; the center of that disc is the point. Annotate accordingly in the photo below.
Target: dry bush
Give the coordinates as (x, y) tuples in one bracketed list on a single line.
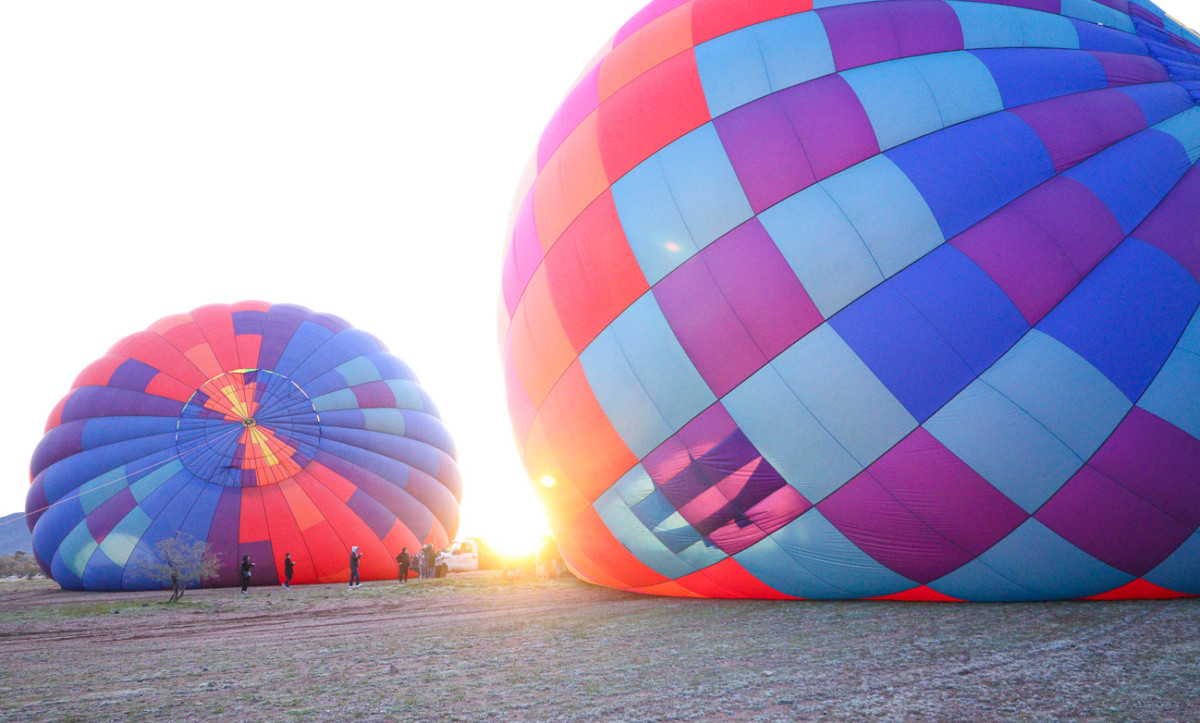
[(19, 564)]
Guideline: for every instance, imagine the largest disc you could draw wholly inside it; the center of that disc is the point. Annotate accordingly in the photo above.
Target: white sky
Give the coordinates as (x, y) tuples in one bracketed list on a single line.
[(356, 158)]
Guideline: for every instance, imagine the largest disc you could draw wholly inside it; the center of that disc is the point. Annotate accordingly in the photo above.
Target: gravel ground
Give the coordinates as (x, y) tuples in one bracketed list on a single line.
[(475, 647)]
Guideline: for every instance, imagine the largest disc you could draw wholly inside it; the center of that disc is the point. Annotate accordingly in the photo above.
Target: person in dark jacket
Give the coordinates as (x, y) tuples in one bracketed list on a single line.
[(404, 561), (245, 569), (429, 560), (354, 556), (288, 568)]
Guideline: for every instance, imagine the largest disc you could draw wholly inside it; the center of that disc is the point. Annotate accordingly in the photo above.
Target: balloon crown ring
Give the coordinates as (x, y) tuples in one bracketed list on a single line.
[(247, 427)]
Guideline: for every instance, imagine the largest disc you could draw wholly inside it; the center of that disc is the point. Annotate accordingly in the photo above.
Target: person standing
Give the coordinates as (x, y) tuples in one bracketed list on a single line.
[(288, 568), (549, 560), (404, 562), (354, 557), (429, 568), (245, 570)]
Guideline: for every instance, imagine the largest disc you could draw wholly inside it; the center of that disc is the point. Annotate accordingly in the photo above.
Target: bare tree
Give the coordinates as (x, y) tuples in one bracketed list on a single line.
[(181, 561)]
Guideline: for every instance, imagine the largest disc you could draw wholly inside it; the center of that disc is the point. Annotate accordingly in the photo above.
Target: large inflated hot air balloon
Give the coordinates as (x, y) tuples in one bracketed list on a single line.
[(868, 299), (261, 429)]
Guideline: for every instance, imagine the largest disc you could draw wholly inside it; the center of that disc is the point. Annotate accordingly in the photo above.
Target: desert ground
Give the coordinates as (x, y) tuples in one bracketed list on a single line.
[(478, 647)]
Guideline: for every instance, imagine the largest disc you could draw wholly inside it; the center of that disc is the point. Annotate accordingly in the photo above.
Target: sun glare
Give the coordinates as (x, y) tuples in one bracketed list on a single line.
[(512, 523), (512, 542)]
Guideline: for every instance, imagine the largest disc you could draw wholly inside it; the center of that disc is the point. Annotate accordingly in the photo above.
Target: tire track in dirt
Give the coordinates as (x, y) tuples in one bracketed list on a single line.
[(312, 623), (481, 649)]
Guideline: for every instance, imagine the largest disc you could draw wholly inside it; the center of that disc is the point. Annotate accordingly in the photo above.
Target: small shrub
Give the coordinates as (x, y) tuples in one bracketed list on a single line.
[(19, 564)]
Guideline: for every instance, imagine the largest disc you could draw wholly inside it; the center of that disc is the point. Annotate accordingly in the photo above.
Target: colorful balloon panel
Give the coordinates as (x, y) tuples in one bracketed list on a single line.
[(888, 299), (260, 428)]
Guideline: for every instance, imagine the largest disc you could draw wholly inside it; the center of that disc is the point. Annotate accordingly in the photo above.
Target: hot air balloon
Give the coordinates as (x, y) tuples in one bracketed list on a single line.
[(889, 299), (258, 428)]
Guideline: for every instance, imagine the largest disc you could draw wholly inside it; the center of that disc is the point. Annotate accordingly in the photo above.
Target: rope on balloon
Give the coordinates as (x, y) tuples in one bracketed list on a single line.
[(232, 432)]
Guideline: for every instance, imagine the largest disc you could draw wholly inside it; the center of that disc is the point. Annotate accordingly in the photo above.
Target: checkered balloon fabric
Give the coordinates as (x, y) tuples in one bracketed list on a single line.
[(888, 299)]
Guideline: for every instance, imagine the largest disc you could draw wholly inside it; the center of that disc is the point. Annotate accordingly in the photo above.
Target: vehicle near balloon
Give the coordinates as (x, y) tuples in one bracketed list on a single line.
[(889, 299), (459, 556), (260, 429)]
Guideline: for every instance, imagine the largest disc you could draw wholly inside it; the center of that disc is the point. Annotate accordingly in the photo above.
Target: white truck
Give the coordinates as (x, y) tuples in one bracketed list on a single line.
[(458, 556)]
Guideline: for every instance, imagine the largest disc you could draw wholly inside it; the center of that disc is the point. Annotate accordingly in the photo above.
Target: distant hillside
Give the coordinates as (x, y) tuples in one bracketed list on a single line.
[(14, 534)]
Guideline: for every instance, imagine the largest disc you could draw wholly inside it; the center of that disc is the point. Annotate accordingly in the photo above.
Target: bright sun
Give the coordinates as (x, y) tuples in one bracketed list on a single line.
[(512, 523)]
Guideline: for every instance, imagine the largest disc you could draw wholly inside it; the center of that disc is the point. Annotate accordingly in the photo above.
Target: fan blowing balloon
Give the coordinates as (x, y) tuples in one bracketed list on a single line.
[(261, 429), (868, 299)]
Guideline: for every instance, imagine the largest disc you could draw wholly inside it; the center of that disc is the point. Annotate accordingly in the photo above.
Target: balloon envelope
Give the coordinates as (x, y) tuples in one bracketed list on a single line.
[(868, 299), (261, 429)]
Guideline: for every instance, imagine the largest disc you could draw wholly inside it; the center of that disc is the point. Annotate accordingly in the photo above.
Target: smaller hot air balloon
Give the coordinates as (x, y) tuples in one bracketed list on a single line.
[(262, 429)]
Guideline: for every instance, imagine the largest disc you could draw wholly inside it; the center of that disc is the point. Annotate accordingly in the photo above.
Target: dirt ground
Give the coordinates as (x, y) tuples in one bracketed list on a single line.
[(475, 647)]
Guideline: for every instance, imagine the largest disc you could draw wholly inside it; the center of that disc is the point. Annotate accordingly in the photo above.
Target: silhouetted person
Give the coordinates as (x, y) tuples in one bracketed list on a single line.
[(404, 561), (288, 568), (354, 556), (245, 570), (428, 561), (548, 561)]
